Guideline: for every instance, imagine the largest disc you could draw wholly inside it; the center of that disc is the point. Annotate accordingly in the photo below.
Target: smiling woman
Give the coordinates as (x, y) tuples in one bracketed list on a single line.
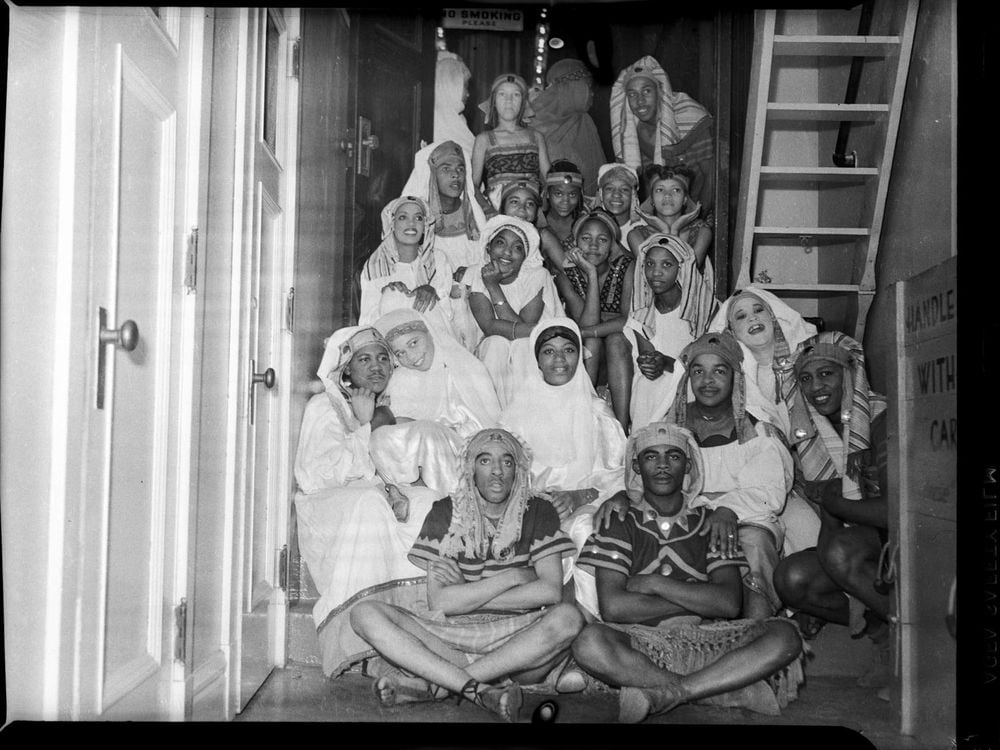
[(440, 395)]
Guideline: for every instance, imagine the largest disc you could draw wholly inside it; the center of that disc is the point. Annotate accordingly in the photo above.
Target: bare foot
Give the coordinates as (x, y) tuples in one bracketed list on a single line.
[(635, 704), (391, 690)]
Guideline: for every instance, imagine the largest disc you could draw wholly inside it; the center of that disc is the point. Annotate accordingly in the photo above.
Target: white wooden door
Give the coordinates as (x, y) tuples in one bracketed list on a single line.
[(269, 194), (137, 122)]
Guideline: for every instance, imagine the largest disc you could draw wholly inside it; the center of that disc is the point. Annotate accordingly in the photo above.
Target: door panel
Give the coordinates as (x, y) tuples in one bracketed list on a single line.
[(396, 63), (134, 149), (273, 124)]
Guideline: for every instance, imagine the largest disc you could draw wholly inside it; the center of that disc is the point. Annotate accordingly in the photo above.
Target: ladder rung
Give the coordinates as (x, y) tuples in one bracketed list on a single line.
[(836, 46), (820, 112), (811, 231), (818, 174), (829, 289)]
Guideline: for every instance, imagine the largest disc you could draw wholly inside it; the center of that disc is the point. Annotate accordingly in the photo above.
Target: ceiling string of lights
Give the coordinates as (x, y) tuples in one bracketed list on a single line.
[(541, 47)]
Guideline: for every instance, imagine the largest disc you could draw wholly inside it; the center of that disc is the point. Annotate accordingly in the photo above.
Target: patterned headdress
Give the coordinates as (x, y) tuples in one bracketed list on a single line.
[(813, 435), (601, 215), (530, 185), (488, 107), (606, 172), (397, 322), (664, 433), (469, 531), (725, 346), (382, 262)]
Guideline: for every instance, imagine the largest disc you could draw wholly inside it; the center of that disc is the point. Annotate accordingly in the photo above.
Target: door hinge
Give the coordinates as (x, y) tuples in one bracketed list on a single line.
[(290, 309), (191, 262), (296, 60), (180, 625), (283, 567)]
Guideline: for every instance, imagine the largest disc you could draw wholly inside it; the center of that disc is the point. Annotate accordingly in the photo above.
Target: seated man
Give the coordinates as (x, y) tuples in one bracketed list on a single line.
[(657, 577), (838, 430), (493, 555)]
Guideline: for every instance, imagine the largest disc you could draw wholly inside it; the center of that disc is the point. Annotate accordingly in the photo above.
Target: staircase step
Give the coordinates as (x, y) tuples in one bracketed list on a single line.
[(816, 290), (846, 232), (822, 112), (817, 174), (835, 46), (303, 644)]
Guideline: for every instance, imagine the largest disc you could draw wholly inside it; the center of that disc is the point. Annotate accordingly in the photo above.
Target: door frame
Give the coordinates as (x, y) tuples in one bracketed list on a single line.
[(247, 101)]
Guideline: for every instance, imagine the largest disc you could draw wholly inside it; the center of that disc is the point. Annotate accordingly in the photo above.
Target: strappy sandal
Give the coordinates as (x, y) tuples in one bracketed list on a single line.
[(635, 704), (505, 701)]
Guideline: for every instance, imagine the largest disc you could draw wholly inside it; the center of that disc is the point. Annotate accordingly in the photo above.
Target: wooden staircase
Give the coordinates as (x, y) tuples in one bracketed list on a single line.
[(807, 229)]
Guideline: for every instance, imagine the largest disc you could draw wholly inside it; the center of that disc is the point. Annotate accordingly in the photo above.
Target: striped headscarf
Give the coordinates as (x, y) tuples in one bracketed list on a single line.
[(724, 345), (470, 533), (382, 262), (696, 306), (664, 433), (678, 113), (823, 453)]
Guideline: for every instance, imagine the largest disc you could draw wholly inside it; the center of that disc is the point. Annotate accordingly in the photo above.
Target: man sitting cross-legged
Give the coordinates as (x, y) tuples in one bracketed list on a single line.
[(657, 578), (493, 555)]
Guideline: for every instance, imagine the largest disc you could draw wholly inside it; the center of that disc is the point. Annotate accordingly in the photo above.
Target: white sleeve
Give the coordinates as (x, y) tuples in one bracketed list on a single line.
[(762, 482), (328, 455)]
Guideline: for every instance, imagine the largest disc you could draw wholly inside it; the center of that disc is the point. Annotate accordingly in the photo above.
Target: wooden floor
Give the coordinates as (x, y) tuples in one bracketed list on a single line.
[(831, 709)]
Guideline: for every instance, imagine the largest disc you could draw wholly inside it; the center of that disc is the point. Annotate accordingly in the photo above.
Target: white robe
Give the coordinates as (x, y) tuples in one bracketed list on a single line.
[(651, 398), (347, 533)]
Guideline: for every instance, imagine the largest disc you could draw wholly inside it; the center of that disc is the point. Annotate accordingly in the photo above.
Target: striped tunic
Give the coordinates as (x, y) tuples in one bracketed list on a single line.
[(540, 537)]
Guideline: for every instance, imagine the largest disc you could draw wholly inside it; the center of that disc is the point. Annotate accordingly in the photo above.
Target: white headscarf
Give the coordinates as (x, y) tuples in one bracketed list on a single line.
[(450, 80), (532, 275), (790, 330), (560, 422), (678, 113), (340, 349), (455, 388)]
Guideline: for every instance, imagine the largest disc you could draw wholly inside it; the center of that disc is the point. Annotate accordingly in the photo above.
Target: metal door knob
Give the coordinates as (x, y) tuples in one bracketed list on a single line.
[(126, 337), (370, 142), (266, 377), (347, 147)]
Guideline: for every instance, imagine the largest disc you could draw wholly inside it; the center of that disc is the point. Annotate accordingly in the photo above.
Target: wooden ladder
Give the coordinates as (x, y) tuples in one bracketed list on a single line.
[(806, 231)]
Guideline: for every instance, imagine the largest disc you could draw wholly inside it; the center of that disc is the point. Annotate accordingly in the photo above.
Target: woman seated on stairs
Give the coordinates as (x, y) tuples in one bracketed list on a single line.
[(354, 530)]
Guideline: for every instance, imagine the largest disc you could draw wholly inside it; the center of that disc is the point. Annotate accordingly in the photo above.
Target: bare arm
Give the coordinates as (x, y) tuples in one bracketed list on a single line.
[(642, 598), (701, 244), (574, 302), (448, 591), (544, 590), (478, 158), (543, 155), (505, 322), (721, 596), (552, 248)]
